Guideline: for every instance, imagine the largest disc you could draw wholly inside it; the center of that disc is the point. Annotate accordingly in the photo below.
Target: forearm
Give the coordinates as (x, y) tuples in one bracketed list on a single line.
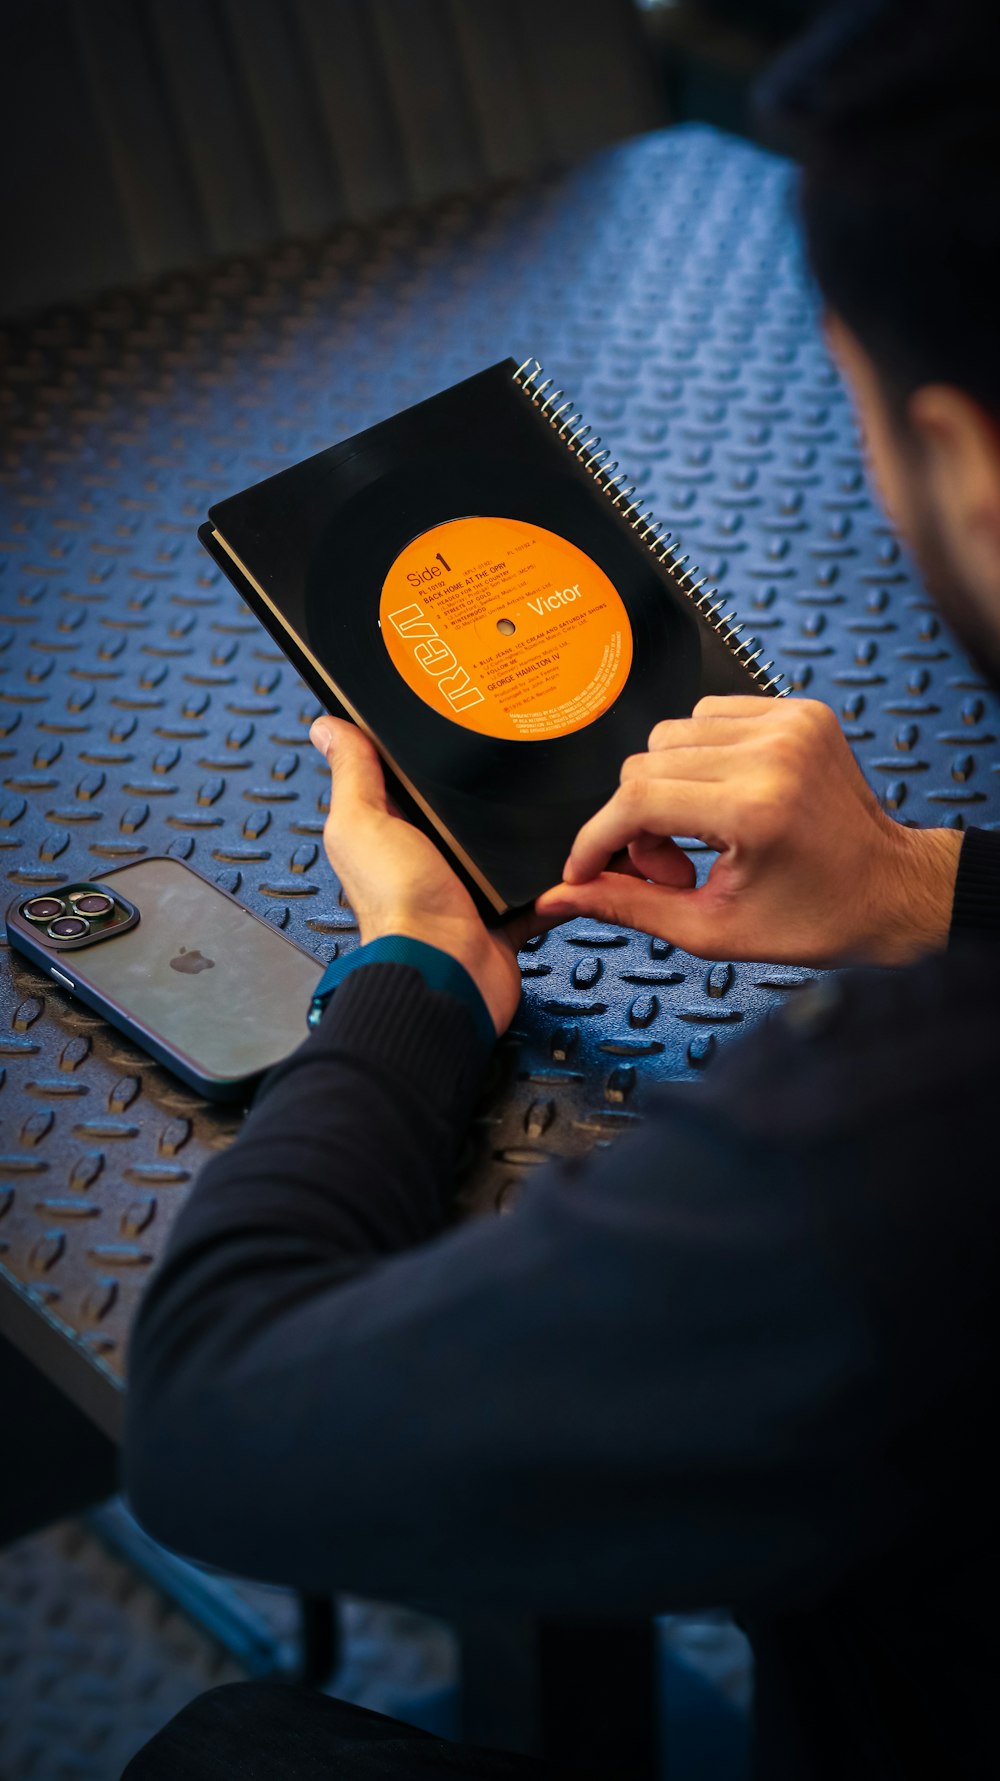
[(346, 1157), (551, 1409), (355, 1132), (942, 888), (911, 895)]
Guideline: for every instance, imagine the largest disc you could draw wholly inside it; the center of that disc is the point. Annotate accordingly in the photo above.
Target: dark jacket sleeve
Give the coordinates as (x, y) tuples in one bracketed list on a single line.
[(682, 1372), (975, 912)]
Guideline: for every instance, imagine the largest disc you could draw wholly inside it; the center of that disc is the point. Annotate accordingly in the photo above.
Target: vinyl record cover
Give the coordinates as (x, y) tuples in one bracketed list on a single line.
[(468, 584)]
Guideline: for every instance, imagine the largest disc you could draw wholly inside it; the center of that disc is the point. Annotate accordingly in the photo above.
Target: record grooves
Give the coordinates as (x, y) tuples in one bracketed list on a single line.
[(470, 583), (597, 461)]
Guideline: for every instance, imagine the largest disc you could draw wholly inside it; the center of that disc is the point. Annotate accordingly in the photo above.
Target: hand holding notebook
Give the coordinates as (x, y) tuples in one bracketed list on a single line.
[(474, 583), (399, 882)]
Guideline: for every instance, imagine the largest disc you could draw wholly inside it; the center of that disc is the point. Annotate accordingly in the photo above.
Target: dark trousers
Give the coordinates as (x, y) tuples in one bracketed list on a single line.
[(272, 1731)]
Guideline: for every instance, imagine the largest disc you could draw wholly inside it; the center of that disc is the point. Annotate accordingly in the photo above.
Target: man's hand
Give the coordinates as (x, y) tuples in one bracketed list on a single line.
[(397, 882), (811, 870)]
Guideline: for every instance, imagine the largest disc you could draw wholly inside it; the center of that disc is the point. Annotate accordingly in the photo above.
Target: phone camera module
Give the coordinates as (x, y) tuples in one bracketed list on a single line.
[(44, 908), (68, 927), (93, 903)]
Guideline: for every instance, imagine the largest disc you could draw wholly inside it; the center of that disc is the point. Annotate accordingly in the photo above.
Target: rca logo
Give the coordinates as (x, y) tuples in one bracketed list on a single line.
[(435, 657)]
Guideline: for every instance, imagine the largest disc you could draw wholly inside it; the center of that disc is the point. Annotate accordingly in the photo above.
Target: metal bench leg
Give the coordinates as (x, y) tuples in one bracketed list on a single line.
[(320, 1639), (57, 1461), (599, 1699), (582, 1694)]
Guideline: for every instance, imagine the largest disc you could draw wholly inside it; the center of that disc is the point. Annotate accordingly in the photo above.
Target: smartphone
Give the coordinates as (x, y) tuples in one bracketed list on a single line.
[(212, 991)]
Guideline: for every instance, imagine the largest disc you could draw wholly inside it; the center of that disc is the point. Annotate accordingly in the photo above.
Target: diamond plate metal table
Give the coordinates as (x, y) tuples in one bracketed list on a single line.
[(142, 709)]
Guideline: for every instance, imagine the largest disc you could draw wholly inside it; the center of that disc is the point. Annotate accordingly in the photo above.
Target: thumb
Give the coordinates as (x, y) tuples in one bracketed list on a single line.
[(356, 769), (680, 916)]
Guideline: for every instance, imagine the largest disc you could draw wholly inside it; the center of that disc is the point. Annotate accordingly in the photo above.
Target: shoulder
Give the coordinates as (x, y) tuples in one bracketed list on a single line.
[(858, 1048)]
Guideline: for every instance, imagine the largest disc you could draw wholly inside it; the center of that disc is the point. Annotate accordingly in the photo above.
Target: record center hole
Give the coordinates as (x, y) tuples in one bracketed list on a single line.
[(506, 627)]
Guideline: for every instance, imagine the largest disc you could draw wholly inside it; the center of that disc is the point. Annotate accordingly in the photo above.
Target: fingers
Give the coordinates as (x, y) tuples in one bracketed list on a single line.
[(358, 784), (729, 719), (733, 720), (646, 806), (679, 761), (684, 917), (611, 897), (658, 857), (622, 862), (525, 925), (704, 732), (734, 705)]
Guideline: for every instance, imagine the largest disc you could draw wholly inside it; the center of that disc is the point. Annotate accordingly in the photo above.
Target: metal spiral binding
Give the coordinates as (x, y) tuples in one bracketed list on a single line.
[(558, 410)]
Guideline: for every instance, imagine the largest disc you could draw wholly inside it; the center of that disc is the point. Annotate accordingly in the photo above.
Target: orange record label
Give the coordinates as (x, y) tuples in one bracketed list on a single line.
[(506, 628)]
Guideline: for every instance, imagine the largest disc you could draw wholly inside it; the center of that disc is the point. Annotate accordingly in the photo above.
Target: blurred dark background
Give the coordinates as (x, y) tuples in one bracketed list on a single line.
[(709, 52), (139, 136), (207, 138)]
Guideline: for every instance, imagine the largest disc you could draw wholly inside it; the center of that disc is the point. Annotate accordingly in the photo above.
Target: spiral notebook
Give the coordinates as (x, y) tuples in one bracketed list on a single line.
[(474, 583)]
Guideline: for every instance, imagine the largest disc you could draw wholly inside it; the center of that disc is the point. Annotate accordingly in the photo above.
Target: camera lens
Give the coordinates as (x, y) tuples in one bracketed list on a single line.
[(92, 903), (43, 908), (68, 927)]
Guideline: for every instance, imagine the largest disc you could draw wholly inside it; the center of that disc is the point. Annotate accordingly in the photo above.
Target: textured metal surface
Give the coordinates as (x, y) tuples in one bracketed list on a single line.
[(92, 1661), (94, 1658), (141, 708)]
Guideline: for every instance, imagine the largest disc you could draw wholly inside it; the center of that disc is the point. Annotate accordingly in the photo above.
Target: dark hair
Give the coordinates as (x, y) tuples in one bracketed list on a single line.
[(893, 109)]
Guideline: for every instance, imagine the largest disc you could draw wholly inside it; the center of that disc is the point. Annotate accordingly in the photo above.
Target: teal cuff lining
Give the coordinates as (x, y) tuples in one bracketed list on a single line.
[(438, 969)]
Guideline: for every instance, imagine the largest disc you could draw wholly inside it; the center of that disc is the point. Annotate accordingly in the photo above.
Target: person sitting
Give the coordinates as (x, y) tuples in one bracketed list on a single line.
[(746, 1356)]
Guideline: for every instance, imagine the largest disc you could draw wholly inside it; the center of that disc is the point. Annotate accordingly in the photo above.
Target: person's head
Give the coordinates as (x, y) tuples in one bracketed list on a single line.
[(893, 109)]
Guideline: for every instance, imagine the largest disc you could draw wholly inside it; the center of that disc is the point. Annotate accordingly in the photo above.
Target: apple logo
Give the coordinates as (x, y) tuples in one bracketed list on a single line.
[(191, 962)]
